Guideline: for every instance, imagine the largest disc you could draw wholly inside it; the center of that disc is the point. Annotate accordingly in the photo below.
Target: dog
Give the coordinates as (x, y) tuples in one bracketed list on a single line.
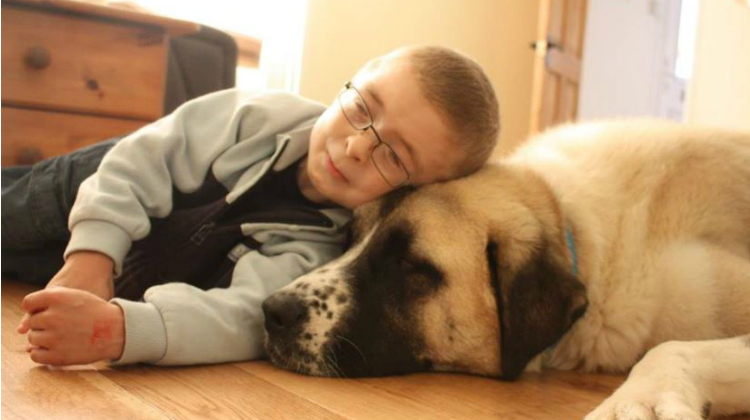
[(603, 247)]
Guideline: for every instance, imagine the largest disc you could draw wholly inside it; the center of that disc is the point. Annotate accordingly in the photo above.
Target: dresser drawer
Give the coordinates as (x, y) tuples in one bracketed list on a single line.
[(71, 62), (29, 136)]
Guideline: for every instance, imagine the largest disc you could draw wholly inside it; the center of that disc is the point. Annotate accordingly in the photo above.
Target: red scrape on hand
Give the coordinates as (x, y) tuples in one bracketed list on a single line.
[(101, 333)]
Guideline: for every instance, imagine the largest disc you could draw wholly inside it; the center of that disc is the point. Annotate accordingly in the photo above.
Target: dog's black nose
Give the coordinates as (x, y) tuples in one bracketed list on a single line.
[(284, 313)]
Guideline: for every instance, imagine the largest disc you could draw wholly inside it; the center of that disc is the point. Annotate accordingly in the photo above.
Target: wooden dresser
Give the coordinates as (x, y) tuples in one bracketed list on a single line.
[(75, 73)]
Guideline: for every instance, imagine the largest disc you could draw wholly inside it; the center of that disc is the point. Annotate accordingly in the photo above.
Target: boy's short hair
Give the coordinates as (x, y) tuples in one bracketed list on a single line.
[(461, 90)]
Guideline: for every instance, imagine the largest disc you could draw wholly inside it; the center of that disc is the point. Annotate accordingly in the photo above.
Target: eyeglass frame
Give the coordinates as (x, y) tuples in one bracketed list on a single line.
[(370, 126)]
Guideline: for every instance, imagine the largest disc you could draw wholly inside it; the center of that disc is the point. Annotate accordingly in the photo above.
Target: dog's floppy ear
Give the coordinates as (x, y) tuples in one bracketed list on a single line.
[(536, 303)]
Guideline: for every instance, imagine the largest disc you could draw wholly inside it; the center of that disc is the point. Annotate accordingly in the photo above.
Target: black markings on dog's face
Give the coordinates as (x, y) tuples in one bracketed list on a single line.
[(299, 347), (706, 411), (386, 280), (387, 283)]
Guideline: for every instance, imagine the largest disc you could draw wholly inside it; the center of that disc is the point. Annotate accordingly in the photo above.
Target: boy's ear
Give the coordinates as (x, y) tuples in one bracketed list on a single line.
[(368, 215), (537, 304)]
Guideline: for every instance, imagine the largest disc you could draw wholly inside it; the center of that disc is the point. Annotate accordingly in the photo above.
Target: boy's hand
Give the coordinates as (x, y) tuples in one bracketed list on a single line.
[(69, 327), (87, 270)]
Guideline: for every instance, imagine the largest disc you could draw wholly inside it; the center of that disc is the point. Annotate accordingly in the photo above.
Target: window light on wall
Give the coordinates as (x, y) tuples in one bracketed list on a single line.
[(278, 25), (686, 39)]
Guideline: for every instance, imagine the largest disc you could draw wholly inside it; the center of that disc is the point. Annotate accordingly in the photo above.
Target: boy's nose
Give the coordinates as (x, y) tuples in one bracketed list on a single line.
[(359, 145)]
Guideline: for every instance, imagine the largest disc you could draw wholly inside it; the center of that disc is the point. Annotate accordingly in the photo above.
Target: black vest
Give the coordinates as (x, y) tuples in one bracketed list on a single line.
[(194, 243)]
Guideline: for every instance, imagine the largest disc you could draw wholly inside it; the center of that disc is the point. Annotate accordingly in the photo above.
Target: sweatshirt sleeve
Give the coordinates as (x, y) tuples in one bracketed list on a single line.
[(179, 324), (136, 178)]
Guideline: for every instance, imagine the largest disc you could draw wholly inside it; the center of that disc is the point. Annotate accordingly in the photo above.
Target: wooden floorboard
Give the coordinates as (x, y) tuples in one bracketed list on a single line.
[(257, 390)]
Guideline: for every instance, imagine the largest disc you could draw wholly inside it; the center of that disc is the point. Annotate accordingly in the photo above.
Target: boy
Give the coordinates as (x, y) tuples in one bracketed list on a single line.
[(204, 213)]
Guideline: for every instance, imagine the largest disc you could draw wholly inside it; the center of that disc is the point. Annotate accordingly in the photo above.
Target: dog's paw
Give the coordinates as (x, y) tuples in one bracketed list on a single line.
[(662, 386), (665, 406)]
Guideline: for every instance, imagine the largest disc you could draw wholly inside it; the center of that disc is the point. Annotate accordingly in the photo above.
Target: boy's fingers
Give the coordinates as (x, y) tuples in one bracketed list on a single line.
[(41, 321), (45, 357), (31, 347), (40, 339), (24, 326), (35, 302)]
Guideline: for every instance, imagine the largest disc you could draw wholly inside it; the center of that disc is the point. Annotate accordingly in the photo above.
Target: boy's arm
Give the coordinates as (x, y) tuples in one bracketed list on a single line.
[(226, 132), (179, 324), (86, 270), (136, 178), (135, 181)]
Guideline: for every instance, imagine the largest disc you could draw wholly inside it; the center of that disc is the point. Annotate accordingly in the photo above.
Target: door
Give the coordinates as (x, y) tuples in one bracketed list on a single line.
[(557, 68)]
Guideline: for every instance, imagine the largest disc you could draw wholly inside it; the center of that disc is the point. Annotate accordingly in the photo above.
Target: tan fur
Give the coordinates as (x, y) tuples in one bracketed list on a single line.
[(460, 323), (661, 219)]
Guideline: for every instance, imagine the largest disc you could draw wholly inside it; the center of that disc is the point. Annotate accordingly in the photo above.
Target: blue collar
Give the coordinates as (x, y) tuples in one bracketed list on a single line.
[(572, 249)]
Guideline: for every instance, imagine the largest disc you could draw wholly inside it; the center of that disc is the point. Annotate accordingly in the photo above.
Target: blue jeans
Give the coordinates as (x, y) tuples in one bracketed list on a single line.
[(36, 203)]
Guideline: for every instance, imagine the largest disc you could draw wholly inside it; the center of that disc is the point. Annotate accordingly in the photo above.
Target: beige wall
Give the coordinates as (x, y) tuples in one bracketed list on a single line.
[(341, 35), (719, 92)]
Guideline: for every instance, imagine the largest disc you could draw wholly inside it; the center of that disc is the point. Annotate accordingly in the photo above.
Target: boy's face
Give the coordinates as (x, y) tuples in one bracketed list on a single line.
[(339, 163)]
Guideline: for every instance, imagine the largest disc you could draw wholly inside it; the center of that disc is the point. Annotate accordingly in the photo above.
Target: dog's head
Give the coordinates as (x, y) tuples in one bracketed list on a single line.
[(471, 276)]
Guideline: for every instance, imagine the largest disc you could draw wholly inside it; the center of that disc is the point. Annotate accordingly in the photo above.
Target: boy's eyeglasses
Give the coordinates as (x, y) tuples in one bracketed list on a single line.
[(385, 159)]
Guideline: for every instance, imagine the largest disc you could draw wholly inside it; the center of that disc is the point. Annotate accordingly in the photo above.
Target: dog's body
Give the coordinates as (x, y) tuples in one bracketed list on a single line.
[(584, 250), (661, 219)]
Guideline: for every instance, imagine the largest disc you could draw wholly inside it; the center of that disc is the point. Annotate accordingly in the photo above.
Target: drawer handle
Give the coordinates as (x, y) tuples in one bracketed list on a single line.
[(29, 156), (37, 58)]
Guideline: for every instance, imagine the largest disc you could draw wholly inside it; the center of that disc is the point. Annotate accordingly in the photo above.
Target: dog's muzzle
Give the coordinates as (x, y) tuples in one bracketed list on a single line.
[(301, 320), (285, 316)]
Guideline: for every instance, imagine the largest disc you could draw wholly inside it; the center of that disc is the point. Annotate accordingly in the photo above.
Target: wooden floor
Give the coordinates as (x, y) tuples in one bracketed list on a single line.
[(257, 390)]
